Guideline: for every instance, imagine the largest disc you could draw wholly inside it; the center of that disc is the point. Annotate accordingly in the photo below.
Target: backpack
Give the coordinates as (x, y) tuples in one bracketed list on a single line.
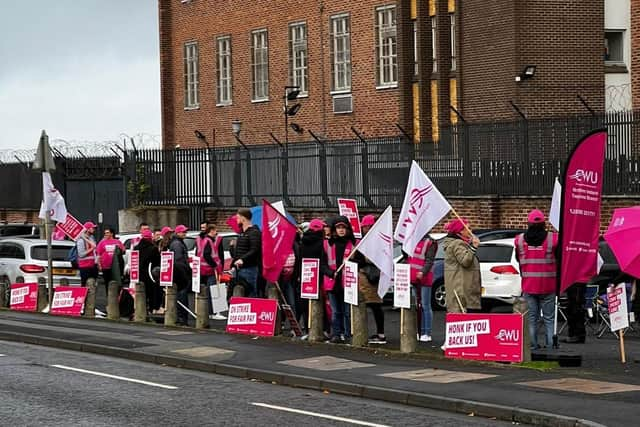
[(72, 256)]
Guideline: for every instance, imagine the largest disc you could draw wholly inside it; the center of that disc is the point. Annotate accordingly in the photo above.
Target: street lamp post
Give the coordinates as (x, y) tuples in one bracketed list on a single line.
[(290, 94)]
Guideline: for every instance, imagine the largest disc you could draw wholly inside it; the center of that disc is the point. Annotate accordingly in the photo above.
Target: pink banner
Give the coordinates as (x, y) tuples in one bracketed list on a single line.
[(252, 316), (166, 268), (134, 264), (278, 235), (71, 227), (497, 337), (310, 278), (68, 300), (349, 208), (580, 212), (24, 297)]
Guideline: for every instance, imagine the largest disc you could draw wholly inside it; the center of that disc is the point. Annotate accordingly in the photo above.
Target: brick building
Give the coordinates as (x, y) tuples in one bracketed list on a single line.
[(372, 65)]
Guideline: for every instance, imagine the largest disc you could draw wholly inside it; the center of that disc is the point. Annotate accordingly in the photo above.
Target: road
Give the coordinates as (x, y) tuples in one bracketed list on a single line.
[(43, 386)]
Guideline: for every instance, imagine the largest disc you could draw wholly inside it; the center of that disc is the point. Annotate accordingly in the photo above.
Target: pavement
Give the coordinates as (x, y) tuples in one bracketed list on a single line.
[(601, 392)]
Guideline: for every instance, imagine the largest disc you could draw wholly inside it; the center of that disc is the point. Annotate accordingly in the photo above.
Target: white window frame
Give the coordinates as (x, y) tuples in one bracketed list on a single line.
[(340, 28), (416, 68), (452, 27), (299, 57), (191, 83), (434, 44), (259, 65), (386, 47), (224, 71)]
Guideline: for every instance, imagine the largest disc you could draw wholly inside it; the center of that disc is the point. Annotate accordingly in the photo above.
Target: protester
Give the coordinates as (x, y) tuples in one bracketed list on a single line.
[(105, 252), (150, 259), (536, 252), (167, 235), (246, 252), (181, 271), (141, 228), (420, 264), (461, 268), (311, 246), (368, 279), (211, 253), (86, 246), (336, 250)]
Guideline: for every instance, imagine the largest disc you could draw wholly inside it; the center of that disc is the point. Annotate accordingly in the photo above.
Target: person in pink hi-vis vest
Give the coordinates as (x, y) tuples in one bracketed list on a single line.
[(536, 252)]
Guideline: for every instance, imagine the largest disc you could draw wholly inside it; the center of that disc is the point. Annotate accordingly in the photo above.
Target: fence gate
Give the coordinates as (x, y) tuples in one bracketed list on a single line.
[(87, 199)]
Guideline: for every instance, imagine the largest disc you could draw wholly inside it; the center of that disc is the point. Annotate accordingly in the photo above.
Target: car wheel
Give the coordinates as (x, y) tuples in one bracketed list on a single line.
[(438, 300)]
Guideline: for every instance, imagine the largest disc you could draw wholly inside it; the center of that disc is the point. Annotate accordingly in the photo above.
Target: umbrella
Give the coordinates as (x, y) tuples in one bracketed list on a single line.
[(623, 237)]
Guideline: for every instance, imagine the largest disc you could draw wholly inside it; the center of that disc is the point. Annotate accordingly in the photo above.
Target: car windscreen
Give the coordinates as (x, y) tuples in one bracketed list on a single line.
[(494, 253), (58, 253)]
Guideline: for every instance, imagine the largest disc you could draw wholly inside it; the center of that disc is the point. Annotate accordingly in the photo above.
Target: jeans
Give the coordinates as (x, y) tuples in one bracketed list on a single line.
[(341, 318), (250, 276), (535, 304), (183, 297), (427, 314)]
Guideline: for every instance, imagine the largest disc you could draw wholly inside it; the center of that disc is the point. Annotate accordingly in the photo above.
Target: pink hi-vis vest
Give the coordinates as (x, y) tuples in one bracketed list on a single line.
[(205, 268), (417, 262), (89, 260), (537, 265), (328, 282)]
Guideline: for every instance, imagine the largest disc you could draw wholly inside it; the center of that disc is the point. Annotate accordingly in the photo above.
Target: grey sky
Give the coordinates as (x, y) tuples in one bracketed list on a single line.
[(84, 70)]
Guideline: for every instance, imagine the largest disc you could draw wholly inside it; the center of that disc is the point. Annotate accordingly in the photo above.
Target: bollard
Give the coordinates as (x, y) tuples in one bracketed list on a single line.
[(360, 328), (140, 301), (272, 293), (170, 307), (90, 301), (316, 319), (4, 288), (113, 306), (202, 308), (520, 307), (43, 294), (408, 328), (238, 290)]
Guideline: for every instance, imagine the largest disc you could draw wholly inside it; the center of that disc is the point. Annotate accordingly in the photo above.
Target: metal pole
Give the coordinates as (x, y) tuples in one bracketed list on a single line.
[(47, 230)]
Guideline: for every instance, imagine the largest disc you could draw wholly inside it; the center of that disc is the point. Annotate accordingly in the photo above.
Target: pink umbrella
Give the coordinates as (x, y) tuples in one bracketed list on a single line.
[(623, 237)]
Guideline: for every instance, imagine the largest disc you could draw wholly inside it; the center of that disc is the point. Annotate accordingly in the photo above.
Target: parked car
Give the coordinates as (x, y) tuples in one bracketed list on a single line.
[(497, 234), (28, 258)]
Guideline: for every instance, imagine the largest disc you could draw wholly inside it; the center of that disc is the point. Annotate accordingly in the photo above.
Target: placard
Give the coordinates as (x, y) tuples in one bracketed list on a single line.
[(68, 300), (134, 268), (617, 306), (24, 297), (496, 337), (71, 227), (218, 295), (349, 208), (350, 282), (310, 278), (195, 275), (166, 268), (252, 316), (402, 286)]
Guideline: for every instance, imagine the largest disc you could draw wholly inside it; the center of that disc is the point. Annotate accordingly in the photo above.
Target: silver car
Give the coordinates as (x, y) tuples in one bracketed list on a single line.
[(28, 258)]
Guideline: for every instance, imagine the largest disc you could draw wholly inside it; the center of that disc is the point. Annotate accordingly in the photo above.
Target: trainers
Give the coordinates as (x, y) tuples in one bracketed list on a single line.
[(425, 338), (377, 339), (217, 316), (336, 340)]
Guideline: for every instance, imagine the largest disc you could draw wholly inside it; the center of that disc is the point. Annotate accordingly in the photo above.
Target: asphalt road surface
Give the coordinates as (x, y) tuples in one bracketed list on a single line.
[(41, 386)]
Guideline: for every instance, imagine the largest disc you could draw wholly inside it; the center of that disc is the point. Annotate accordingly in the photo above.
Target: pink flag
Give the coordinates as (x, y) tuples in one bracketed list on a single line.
[(580, 211), (278, 235), (232, 222)]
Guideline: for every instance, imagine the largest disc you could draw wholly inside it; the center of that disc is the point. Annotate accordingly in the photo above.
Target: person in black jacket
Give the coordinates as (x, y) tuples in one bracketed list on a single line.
[(181, 271), (149, 258), (246, 252)]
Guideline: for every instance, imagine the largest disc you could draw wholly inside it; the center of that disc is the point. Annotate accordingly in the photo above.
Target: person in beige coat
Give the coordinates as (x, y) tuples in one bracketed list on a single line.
[(461, 269)]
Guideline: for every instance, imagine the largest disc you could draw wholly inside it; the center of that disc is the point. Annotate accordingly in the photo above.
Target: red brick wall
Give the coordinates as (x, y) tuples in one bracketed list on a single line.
[(20, 216), (635, 52)]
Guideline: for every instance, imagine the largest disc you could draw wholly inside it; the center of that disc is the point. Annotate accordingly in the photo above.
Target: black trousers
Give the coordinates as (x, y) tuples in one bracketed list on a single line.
[(378, 316), (575, 311)]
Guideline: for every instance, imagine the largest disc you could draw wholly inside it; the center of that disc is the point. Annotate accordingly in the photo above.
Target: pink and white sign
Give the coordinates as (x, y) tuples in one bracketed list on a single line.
[(402, 286), (134, 267), (68, 300), (71, 227), (166, 268), (497, 337), (24, 297), (349, 208), (310, 278), (617, 306), (195, 275), (252, 316), (350, 282)]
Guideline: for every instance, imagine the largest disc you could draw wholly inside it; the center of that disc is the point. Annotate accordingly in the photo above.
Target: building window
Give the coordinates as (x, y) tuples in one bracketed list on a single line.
[(340, 53), (191, 75), (452, 20), (415, 48), (224, 71), (434, 50), (614, 46), (298, 63), (386, 47), (259, 65)]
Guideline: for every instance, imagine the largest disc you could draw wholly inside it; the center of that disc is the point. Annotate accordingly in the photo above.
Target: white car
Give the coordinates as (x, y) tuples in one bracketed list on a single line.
[(499, 270), (28, 258)]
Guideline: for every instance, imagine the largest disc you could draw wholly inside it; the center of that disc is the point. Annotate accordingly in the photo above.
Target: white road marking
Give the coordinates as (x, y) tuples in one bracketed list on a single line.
[(100, 374), (2, 355), (315, 414)]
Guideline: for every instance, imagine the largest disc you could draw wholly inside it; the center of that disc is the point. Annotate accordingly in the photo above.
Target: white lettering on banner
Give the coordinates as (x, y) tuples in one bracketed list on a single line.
[(240, 314), (582, 175), (17, 295), (415, 203), (62, 300), (465, 334)]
